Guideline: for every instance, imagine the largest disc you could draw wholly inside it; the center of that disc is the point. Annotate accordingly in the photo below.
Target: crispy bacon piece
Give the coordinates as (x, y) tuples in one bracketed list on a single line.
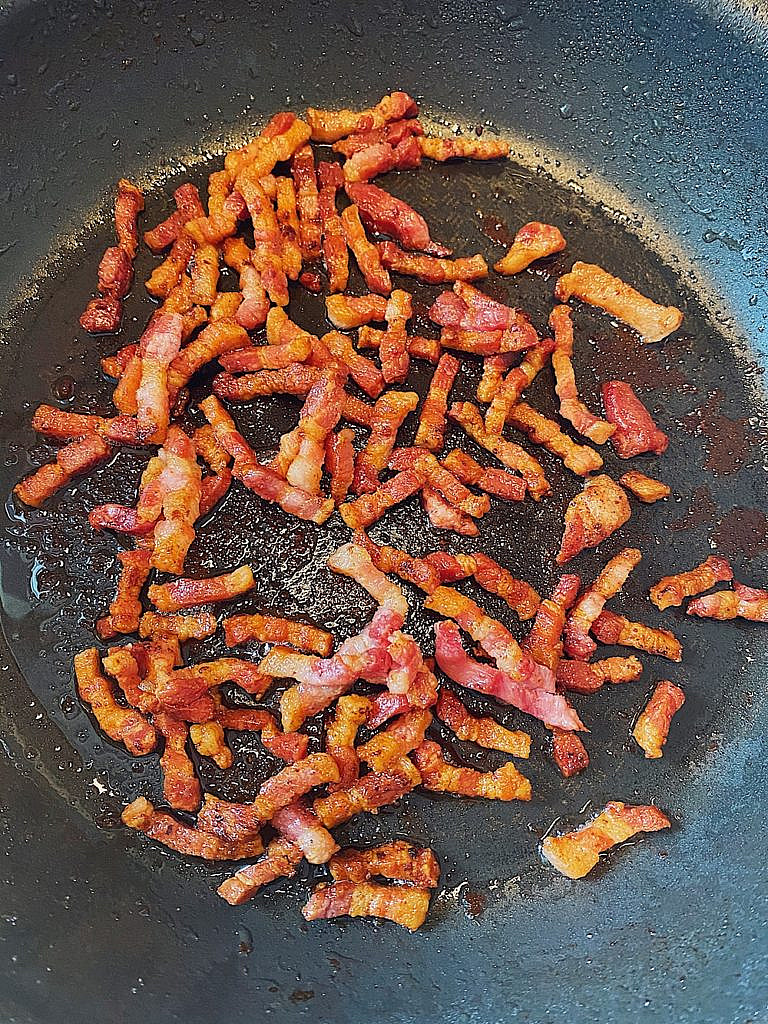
[(122, 663), (124, 725), (451, 568), (134, 521), (115, 272), (519, 595), (493, 481), (205, 274), (422, 693), (294, 379), (267, 240), (486, 732), (158, 347), (71, 460), (321, 412), (578, 643), (397, 740), (382, 212), (170, 272), (610, 628), (741, 602), (644, 487), (671, 591), (308, 202), (494, 368), (516, 381), (340, 463), (393, 350), (391, 560), (467, 309), (179, 482), (389, 414), (366, 254), (281, 137), (584, 677), (188, 205), (369, 508), (399, 860), (364, 372), (253, 308), (218, 338), (181, 788), (331, 125), (301, 826), (568, 752), (374, 790), (125, 609), (129, 203), (431, 269), (431, 430), (225, 306), (463, 148), (402, 904), (652, 727), (280, 861), (192, 842), (445, 516), (424, 463), (428, 349), (290, 747), (635, 432), (340, 733), (178, 594), (596, 286), (182, 627), (334, 243), (579, 458), (597, 511), (576, 853), (506, 783), (393, 134), (102, 315), (544, 642), (288, 222), (209, 449), (115, 365), (208, 740), (382, 157), (510, 454), (571, 406), (269, 629), (349, 311), (532, 242)]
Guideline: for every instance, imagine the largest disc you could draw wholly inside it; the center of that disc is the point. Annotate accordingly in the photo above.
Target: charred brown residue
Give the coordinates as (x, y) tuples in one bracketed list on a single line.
[(493, 227), (742, 531), (702, 511), (618, 354), (727, 441), (301, 995), (474, 901)]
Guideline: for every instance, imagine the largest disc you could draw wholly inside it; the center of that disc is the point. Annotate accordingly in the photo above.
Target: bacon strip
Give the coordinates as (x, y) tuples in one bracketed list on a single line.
[(431, 430), (182, 627), (576, 853), (280, 861), (467, 309), (208, 740), (374, 790), (290, 747), (399, 860), (568, 752), (381, 157), (652, 727), (294, 379), (486, 732), (393, 350), (741, 602), (124, 725), (300, 825), (583, 677), (382, 212), (181, 788), (364, 372), (366, 254), (205, 274), (281, 137), (597, 511), (391, 560), (389, 414), (597, 287), (463, 148), (340, 463), (192, 842), (290, 230), (544, 642), (331, 125), (218, 338), (185, 593), (168, 274), (267, 248), (320, 414), (578, 643), (610, 628), (268, 357), (571, 406), (349, 311), (644, 487), (579, 458), (431, 269), (516, 381), (125, 610), (519, 595), (334, 243), (635, 432), (122, 663), (428, 349), (270, 629), (158, 347), (506, 783), (308, 202), (532, 242), (494, 368), (445, 516), (71, 460), (493, 481), (393, 134), (452, 489), (404, 905), (671, 591), (180, 485), (397, 740), (340, 734), (188, 205)]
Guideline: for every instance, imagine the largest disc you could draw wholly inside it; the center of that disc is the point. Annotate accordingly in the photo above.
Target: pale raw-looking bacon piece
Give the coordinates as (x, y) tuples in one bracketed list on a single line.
[(71, 460), (513, 385), (280, 861), (205, 274), (170, 272), (405, 905), (741, 602), (178, 594), (588, 677), (652, 727), (281, 137), (192, 842), (635, 433), (366, 254), (208, 740), (497, 482), (374, 790), (549, 707), (532, 242), (398, 860), (124, 725), (158, 347), (381, 157), (218, 338), (389, 414), (578, 643), (462, 147), (288, 222), (431, 269), (576, 853), (568, 752), (183, 627), (188, 205), (349, 714), (610, 628), (431, 429), (300, 825), (349, 311), (289, 747), (438, 775), (393, 134), (267, 240), (644, 487), (596, 286), (445, 516), (270, 629), (308, 202), (671, 591), (486, 732), (335, 256), (353, 561), (125, 609), (332, 125), (397, 740), (320, 414), (363, 371), (181, 488), (507, 452), (428, 349), (391, 560), (595, 513), (424, 463), (468, 309), (519, 595), (579, 458), (181, 788), (382, 212), (393, 350), (571, 406), (544, 642), (340, 463)]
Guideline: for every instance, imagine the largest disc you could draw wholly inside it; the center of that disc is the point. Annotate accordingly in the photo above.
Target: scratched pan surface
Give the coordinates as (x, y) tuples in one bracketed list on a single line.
[(647, 152)]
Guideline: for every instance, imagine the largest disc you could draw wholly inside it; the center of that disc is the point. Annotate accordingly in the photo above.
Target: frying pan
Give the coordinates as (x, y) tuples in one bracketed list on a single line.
[(642, 129)]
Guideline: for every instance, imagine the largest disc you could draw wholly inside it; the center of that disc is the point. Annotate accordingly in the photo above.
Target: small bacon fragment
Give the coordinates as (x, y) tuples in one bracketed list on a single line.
[(389, 414), (519, 595), (331, 125), (374, 790), (431, 269), (185, 593), (208, 740), (445, 516), (158, 347), (428, 349), (644, 487), (280, 861), (486, 732), (568, 752), (544, 642), (280, 138), (635, 432), (597, 287), (225, 306), (610, 628), (366, 254), (124, 725), (290, 747), (382, 212), (652, 727), (169, 273), (576, 853), (102, 316), (571, 406), (532, 242), (269, 629), (588, 677), (671, 591), (612, 578), (217, 338), (125, 610), (294, 379), (597, 511), (494, 368), (506, 783), (424, 463), (402, 904), (364, 372), (188, 205), (513, 385), (71, 460), (397, 740), (393, 350), (301, 826), (182, 627), (340, 733), (308, 202), (468, 309), (115, 365), (398, 860), (205, 274), (463, 147), (741, 602), (579, 458), (381, 157), (122, 663), (431, 430), (349, 311), (340, 463), (192, 842), (181, 789), (493, 481), (334, 242)]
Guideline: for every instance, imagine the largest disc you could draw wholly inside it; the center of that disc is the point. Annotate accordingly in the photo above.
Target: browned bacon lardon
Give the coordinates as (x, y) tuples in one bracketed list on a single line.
[(635, 432), (432, 421), (172, 597), (569, 753), (432, 269), (513, 385), (398, 860), (389, 414), (366, 254), (486, 732), (192, 842), (741, 602), (340, 734), (405, 905), (610, 628), (241, 629), (382, 212), (579, 458), (544, 641), (652, 727), (331, 125), (71, 460), (644, 487), (506, 783), (671, 591), (463, 147), (280, 860), (532, 242), (571, 406), (125, 610), (595, 513), (588, 677), (612, 578)]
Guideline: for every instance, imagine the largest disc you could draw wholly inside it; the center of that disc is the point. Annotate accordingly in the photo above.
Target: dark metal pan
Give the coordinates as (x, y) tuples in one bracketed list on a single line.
[(641, 130)]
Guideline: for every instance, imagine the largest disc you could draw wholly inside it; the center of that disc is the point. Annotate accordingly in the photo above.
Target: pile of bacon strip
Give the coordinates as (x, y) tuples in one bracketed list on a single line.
[(307, 216)]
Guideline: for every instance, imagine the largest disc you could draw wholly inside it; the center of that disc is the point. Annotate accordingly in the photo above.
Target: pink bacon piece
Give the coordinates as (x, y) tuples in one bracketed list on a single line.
[(382, 157), (431, 429), (181, 489), (382, 212), (364, 372), (578, 643), (300, 825), (445, 516), (742, 602), (393, 351), (72, 460), (431, 269), (467, 309), (158, 347), (366, 254), (392, 134), (635, 432), (571, 406), (320, 414), (334, 242), (422, 694), (308, 203), (493, 481), (389, 414)]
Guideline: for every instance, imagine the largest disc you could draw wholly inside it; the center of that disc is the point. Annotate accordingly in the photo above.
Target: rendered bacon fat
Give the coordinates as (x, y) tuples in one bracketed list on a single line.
[(506, 783), (71, 460), (398, 860), (595, 513), (571, 406), (671, 591), (576, 853), (652, 727), (635, 432), (486, 732), (532, 242), (404, 905), (578, 643), (172, 597), (192, 842), (741, 602), (610, 628)]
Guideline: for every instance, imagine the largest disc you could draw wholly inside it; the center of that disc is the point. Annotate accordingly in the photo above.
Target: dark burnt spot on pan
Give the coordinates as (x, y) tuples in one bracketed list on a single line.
[(728, 441)]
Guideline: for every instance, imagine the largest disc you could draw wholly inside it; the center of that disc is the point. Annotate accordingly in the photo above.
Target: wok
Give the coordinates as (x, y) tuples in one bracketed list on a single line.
[(642, 128)]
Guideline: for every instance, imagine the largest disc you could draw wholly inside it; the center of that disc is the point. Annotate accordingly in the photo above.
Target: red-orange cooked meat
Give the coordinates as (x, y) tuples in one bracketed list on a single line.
[(544, 641), (463, 147), (192, 842), (349, 311), (205, 274), (635, 432), (424, 463), (391, 560), (389, 414), (579, 458), (612, 578), (382, 157), (506, 783), (366, 254), (71, 460), (597, 511), (382, 212), (513, 385), (294, 379), (331, 125), (431, 430), (493, 481), (374, 790), (652, 727), (741, 602), (281, 859), (270, 629), (340, 463), (289, 747), (125, 610), (466, 310), (520, 596), (170, 272), (288, 221), (671, 591), (209, 741), (588, 677), (402, 904), (122, 663), (568, 752), (172, 597), (576, 853), (363, 371), (393, 351), (392, 134), (398, 739), (182, 627), (180, 486), (486, 732), (431, 269), (445, 516), (216, 339), (124, 725), (308, 202), (428, 349), (188, 205), (494, 368), (615, 629), (571, 406), (181, 788), (299, 824), (398, 860), (532, 242), (340, 733), (268, 243), (334, 243), (319, 415), (644, 487)]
